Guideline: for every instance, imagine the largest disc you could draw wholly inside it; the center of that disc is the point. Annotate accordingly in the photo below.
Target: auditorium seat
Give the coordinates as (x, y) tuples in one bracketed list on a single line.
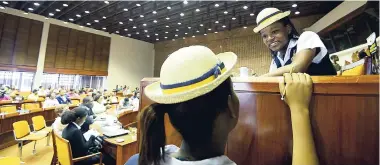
[(8, 108), (10, 161), (39, 125)]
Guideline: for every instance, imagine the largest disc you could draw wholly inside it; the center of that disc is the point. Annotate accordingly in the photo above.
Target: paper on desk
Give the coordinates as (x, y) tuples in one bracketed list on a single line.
[(90, 132)]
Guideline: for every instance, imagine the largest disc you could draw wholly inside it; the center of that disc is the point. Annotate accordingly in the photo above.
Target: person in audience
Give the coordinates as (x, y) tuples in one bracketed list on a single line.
[(18, 97), (33, 95), (48, 91), (73, 94), (125, 104), (290, 51), (335, 60), (62, 98), (3, 95), (113, 97), (98, 107), (50, 101), (88, 104), (79, 145), (136, 101), (57, 126), (126, 91), (212, 111), (41, 91)]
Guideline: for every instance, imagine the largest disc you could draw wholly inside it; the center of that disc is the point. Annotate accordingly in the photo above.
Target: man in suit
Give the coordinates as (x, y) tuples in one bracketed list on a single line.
[(62, 98), (88, 105)]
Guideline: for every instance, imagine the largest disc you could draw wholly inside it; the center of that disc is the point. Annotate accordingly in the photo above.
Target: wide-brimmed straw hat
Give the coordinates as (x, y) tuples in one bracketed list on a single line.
[(268, 16), (190, 72)]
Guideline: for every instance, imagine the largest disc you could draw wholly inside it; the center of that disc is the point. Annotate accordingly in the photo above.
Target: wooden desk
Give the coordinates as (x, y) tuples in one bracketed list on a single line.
[(344, 115), (121, 152)]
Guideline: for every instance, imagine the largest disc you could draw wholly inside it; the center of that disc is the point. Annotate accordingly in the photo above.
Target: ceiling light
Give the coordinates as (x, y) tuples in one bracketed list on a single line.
[(166, 37), (142, 16), (106, 2), (156, 34), (144, 24), (154, 12), (209, 29), (138, 5), (125, 9), (185, 2), (121, 36), (176, 35), (176, 30), (117, 31), (166, 32), (252, 14), (104, 17), (183, 37), (224, 26), (167, 18), (45, 17), (185, 33), (169, 7), (81, 26), (57, 10), (65, 22), (86, 11), (155, 21), (181, 14), (245, 27), (215, 32), (148, 36), (88, 24), (233, 18), (197, 10), (201, 25), (70, 19), (245, 7), (297, 12), (134, 27), (125, 29), (179, 23), (25, 13), (205, 34), (216, 5), (146, 31), (65, 5), (120, 23), (294, 5), (129, 35), (78, 15), (157, 39), (30, 9), (96, 20), (5, 2), (51, 14), (193, 36), (137, 32), (36, 4), (1, 7), (225, 12), (167, 26), (130, 19), (197, 31), (189, 27), (104, 28), (216, 21)]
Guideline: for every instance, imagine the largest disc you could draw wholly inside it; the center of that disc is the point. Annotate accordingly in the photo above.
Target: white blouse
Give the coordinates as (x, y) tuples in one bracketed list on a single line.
[(307, 40), (98, 108)]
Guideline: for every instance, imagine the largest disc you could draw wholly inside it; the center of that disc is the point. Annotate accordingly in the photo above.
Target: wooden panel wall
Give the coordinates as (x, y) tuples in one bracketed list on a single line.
[(20, 40), (248, 46), (71, 51)]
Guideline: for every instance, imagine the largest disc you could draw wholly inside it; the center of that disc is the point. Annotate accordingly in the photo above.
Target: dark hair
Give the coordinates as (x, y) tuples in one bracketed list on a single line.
[(34, 91), (93, 94), (203, 109), (97, 97), (40, 87), (48, 95), (126, 101), (71, 116), (71, 90), (293, 33)]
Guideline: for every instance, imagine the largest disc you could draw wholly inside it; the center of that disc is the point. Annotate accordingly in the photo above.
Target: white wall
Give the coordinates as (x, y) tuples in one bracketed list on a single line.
[(130, 61)]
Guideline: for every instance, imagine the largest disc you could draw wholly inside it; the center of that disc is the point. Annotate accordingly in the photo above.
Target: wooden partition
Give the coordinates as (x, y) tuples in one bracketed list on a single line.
[(344, 115)]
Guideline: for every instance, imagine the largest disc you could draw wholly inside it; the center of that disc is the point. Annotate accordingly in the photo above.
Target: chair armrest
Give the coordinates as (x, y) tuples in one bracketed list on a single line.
[(88, 156)]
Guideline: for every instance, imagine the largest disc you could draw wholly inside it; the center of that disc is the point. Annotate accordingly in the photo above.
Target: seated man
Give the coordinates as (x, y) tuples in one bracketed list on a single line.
[(33, 95), (62, 98)]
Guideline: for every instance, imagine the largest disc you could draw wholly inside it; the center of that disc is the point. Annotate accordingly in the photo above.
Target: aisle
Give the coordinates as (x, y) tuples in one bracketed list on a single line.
[(42, 157)]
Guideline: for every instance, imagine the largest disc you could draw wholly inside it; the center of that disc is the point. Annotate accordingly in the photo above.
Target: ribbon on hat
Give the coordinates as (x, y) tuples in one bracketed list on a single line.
[(206, 78)]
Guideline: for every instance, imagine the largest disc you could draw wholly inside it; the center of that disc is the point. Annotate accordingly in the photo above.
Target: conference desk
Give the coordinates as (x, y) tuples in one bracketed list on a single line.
[(121, 152), (344, 114)]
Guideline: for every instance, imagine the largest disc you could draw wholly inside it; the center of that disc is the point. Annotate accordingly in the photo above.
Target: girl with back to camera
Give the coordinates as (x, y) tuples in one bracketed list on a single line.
[(203, 108)]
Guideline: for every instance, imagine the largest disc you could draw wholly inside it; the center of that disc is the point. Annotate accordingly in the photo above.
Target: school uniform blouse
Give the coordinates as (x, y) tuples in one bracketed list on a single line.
[(79, 145), (321, 64)]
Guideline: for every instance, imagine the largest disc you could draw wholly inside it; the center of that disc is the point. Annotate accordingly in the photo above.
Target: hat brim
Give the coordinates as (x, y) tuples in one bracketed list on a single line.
[(271, 20), (155, 93)]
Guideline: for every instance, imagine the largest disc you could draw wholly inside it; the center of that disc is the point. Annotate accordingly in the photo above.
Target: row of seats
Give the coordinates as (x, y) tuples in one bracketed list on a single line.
[(35, 105)]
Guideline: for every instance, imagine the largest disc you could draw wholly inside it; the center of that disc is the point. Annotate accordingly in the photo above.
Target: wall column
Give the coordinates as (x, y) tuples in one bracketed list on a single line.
[(41, 56)]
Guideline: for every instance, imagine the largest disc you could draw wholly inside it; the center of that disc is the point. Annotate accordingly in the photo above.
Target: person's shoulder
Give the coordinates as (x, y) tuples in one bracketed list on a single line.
[(308, 35)]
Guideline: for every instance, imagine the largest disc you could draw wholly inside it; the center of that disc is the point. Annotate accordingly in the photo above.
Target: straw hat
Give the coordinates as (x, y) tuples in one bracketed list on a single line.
[(268, 16), (190, 72)]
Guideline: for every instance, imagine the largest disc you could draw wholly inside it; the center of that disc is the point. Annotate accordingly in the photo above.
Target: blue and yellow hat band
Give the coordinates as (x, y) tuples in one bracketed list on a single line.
[(206, 78)]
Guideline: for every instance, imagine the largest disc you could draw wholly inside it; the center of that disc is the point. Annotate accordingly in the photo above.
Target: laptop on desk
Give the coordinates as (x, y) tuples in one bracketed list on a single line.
[(112, 134)]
